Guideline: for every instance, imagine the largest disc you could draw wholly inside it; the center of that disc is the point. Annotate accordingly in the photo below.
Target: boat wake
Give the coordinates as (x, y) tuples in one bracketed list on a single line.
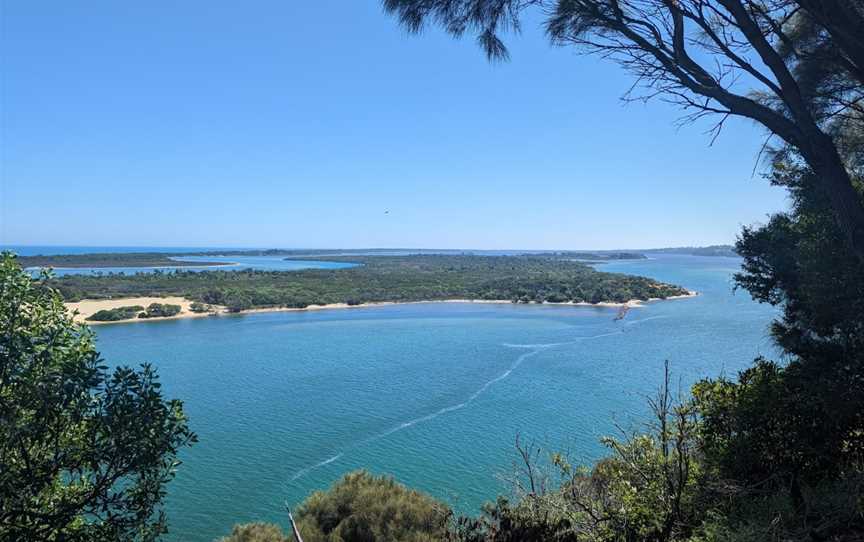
[(404, 425), (575, 340), (533, 350), (649, 318), (302, 472)]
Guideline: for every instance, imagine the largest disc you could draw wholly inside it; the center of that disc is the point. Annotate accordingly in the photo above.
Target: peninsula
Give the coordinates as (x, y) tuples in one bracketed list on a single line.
[(378, 279)]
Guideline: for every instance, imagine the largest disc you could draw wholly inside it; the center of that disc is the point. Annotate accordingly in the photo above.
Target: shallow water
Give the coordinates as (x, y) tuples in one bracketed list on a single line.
[(285, 403), (229, 263)]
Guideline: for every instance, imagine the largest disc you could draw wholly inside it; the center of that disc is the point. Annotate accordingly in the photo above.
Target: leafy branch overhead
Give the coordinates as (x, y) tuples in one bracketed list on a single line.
[(796, 67)]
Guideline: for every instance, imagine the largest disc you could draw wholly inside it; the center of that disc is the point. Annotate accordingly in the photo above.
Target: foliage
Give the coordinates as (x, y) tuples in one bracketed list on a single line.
[(651, 488), (112, 315), (160, 310), (778, 439), (382, 278), (361, 507), (800, 423), (235, 300), (796, 67), (198, 307), (256, 532), (85, 453), (531, 519)]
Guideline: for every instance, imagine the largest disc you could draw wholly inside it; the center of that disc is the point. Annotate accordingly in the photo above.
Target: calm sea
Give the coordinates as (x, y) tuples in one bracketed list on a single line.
[(435, 394)]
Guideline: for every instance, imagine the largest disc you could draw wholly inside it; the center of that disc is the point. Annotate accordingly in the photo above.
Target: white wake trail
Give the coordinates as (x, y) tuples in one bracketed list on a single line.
[(404, 425), (639, 321), (302, 472), (534, 349)]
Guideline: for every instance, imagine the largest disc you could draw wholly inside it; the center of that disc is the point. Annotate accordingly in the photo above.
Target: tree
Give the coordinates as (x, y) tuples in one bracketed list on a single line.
[(794, 66), (237, 301), (85, 453), (802, 422)]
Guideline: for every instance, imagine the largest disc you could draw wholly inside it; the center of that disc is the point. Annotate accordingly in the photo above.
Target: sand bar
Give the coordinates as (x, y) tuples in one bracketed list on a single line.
[(89, 307)]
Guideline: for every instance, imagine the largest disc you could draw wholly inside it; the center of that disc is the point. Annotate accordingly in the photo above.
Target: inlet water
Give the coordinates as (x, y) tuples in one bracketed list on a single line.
[(435, 394)]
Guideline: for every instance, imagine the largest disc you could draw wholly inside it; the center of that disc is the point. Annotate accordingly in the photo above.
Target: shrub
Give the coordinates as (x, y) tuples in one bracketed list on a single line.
[(160, 310), (362, 507), (113, 315), (237, 301), (256, 532), (198, 307)]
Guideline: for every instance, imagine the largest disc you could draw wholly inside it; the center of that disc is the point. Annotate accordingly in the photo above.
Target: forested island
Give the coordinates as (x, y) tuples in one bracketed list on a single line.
[(172, 259), (520, 279), (110, 259)]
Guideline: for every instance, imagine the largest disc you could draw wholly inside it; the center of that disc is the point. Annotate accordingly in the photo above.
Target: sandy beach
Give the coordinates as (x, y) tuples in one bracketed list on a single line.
[(87, 307)]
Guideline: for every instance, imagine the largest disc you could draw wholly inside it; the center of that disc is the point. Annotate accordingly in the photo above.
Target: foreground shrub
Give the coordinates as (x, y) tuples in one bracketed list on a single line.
[(85, 453), (256, 532), (361, 507)]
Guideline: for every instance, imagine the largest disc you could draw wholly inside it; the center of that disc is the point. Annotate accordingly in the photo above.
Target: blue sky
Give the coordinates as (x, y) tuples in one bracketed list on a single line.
[(323, 124)]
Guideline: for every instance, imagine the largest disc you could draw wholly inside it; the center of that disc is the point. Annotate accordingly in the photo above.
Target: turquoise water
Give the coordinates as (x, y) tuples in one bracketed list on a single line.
[(285, 403)]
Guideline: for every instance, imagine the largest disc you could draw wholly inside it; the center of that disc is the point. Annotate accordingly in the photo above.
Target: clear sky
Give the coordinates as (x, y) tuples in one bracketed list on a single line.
[(323, 124)]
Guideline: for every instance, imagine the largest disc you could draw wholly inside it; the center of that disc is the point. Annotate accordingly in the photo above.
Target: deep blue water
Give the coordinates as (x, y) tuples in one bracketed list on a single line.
[(285, 403)]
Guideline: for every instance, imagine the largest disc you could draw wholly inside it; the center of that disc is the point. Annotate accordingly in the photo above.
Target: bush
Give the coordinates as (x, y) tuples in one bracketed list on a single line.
[(237, 301), (198, 307), (256, 532), (113, 315), (160, 310), (362, 507)]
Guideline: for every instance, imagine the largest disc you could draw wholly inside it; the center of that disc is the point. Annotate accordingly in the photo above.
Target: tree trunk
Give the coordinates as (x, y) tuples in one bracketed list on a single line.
[(846, 201)]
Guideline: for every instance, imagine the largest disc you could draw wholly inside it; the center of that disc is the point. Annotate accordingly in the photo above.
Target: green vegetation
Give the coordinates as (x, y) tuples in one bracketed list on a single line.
[(198, 307), (113, 315), (85, 453), (360, 507), (382, 278), (365, 507), (154, 310), (110, 259), (160, 310), (775, 453), (256, 532)]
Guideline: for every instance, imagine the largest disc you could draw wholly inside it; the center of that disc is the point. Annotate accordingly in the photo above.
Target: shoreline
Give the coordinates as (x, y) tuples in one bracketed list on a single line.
[(91, 306), (149, 268)]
